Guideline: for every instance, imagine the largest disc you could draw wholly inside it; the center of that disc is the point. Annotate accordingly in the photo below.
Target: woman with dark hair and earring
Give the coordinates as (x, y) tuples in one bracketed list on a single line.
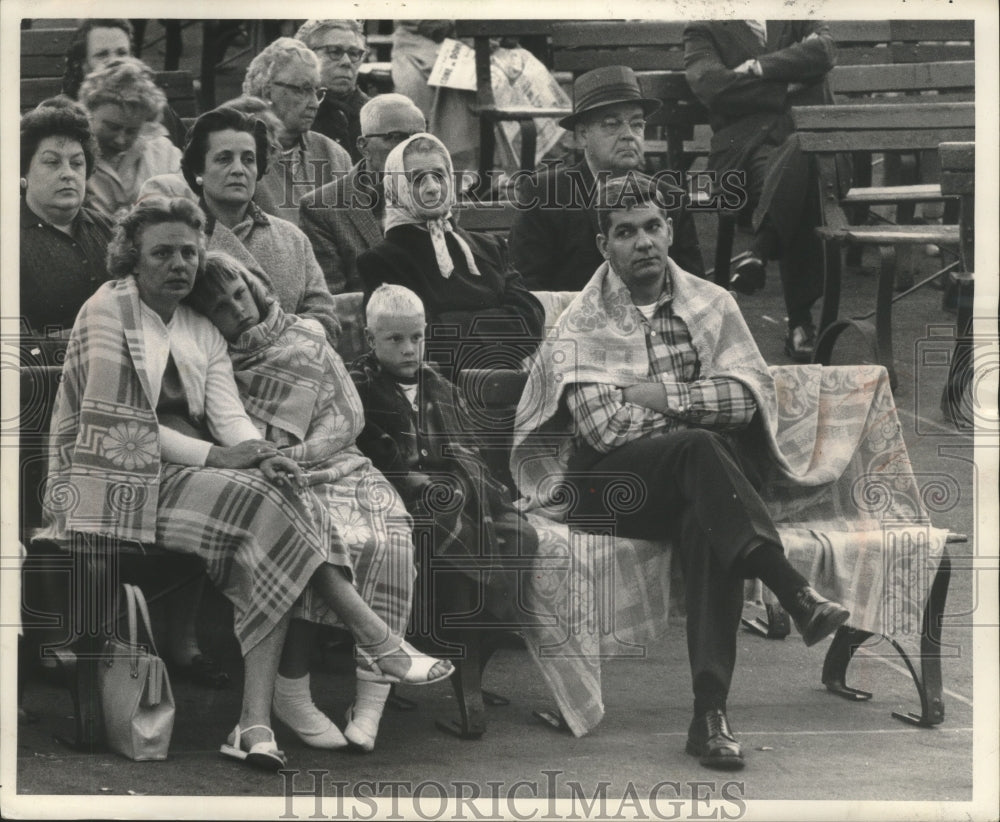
[(96, 43), (150, 443), (224, 160), (63, 243)]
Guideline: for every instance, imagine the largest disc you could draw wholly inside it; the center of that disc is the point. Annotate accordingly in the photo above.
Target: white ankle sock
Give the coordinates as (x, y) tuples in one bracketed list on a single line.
[(294, 698), (364, 715)]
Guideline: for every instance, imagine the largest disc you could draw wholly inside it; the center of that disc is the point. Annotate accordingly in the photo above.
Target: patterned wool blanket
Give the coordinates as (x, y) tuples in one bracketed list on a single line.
[(104, 448), (837, 481), (297, 391), (864, 539), (599, 338)]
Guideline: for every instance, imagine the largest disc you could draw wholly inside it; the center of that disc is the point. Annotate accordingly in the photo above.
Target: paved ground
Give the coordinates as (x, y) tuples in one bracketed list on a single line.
[(801, 742)]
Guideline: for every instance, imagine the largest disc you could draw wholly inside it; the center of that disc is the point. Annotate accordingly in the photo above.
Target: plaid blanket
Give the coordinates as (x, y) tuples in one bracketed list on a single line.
[(837, 481), (298, 392), (260, 544)]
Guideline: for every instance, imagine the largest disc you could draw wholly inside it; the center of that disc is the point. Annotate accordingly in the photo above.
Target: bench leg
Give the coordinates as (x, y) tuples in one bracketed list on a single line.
[(92, 619), (883, 311), (529, 144), (831, 287), (467, 682), (838, 657), (479, 643), (928, 682)]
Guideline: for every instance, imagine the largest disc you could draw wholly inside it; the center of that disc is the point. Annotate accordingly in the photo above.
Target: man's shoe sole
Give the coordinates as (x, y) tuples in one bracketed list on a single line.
[(722, 763)]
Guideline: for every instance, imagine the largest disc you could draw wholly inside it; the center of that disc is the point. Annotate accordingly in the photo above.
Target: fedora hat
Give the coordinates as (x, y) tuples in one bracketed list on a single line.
[(606, 86)]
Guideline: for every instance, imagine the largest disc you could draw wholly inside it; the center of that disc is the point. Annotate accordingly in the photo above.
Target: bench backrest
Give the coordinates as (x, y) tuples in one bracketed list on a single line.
[(43, 51), (825, 131), (177, 85), (901, 127), (894, 83), (902, 41)]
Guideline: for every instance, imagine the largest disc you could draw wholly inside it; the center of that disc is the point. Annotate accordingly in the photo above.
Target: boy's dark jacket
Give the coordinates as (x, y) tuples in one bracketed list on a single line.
[(445, 448)]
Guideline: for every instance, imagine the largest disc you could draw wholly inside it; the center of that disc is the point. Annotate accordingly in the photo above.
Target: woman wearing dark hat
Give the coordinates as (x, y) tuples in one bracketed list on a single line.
[(552, 244)]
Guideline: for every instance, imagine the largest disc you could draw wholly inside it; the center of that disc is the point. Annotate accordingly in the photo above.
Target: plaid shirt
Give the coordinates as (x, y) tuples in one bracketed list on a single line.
[(605, 421)]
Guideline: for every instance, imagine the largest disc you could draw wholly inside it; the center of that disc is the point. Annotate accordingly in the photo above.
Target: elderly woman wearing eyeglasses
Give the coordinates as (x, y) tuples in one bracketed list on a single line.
[(340, 46), (286, 75)]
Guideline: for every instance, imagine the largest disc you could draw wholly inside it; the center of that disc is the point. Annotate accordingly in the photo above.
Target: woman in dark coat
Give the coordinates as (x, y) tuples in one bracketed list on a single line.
[(464, 279)]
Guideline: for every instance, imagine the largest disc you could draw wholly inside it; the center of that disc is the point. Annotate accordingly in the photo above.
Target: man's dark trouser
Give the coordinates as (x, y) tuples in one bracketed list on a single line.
[(780, 184), (696, 494)]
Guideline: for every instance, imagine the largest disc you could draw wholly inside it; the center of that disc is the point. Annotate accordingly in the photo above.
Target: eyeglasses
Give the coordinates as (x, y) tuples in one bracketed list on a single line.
[(336, 53), (393, 136), (303, 91), (614, 125)]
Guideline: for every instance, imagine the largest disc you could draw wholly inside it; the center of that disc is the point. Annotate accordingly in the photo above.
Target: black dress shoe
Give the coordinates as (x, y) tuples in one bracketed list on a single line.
[(749, 275), (816, 617), (801, 342), (712, 741)]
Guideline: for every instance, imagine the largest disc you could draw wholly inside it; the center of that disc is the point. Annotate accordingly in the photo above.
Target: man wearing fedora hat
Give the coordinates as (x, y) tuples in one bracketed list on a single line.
[(552, 241)]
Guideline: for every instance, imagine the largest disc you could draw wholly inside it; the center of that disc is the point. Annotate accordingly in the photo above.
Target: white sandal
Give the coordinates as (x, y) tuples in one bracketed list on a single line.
[(264, 755), (419, 672)]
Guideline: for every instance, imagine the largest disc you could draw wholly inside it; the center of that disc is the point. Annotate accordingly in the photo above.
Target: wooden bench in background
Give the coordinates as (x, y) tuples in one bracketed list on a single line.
[(825, 131), (43, 62), (490, 114), (958, 179)]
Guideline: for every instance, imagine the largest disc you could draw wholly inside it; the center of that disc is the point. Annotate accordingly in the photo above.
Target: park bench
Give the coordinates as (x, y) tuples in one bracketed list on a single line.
[(97, 567), (490, 113), (825, 131)]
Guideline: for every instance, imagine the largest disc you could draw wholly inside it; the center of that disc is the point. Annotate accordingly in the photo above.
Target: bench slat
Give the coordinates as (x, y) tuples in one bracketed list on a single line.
[(894, 234), (503, 28), (903, 116), (522, 112), (903, 77), (932, 30), (919, 193), (901, 140), (580, 60), (43, 65), (932, 52), (860, 31), (618, 33)]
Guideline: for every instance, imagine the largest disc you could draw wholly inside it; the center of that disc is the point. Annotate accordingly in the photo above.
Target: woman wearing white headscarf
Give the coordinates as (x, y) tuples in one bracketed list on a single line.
[(463, 278)]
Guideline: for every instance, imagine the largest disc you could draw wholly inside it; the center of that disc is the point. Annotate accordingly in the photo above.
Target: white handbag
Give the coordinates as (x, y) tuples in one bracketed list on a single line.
[(136, 697)]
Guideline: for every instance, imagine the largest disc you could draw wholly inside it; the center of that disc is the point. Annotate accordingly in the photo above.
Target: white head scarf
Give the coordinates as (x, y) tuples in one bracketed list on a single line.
[(401, 207)]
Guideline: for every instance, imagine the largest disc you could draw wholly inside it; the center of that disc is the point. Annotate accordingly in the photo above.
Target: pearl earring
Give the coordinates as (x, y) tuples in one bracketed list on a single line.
[(24, 182), (199, 179)]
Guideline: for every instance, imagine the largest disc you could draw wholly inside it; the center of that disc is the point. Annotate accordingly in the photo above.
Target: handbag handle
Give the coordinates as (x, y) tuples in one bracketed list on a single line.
[(135, 599)]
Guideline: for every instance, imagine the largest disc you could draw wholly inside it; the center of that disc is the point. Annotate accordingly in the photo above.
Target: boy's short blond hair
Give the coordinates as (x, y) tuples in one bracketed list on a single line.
[(392, 301)]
